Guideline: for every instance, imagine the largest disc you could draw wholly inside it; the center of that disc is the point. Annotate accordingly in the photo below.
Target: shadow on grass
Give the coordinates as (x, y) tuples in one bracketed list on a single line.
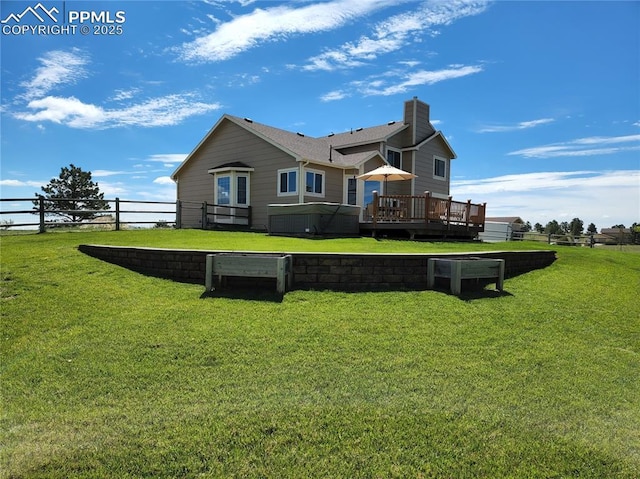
[(471, 289), (483, 294), (245, 294), (472, 294)]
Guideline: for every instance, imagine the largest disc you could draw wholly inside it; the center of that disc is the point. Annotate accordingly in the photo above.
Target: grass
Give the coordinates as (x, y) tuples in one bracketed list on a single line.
[(107, 373)]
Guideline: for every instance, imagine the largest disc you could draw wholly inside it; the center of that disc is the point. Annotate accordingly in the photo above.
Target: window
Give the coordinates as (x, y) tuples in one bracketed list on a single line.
[(224, 185), (314, 183), (287, 182), (439, 168), (232, 189), (231, 193), (241, 190), (394, 158), (352, 190)]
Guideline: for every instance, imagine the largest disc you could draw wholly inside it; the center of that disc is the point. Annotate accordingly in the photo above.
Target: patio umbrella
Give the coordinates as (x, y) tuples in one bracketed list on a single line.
[(386, 173)]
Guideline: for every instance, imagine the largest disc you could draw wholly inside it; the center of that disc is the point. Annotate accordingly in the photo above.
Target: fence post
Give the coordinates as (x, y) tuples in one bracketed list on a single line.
[(468, 212), (374, 210), (41, 211), (117, 214), (427, 205), (449, 209), (178, 214)]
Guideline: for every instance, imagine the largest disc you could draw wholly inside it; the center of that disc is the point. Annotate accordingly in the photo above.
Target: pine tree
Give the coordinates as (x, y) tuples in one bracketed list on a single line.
[(73, 192)]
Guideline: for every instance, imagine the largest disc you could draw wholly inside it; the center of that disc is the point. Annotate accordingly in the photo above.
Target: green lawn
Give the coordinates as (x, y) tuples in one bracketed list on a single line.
[(108, 373)]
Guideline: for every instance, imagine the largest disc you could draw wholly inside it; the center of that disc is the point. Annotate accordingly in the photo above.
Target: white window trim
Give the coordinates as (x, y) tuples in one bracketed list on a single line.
[(248, 184), (216, 191), (446, 169), (315, 172), (345, 193), (288, 170), (233, 187)]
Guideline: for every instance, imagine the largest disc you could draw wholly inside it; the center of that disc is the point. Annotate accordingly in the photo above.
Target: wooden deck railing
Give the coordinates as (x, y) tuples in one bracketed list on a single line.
[(424, 208)]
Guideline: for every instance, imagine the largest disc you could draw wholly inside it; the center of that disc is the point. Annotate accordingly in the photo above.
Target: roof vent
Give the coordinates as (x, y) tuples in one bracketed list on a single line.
[(300, 134), (392, 122), (248, 120), (331, 134), (359, 129)]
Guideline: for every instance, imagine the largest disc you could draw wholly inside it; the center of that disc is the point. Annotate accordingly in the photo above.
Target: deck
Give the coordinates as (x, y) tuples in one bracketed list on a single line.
[(423, 215)]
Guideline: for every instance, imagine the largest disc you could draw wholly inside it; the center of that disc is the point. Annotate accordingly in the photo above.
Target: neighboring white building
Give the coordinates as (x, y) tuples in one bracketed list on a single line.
[(500, 228)]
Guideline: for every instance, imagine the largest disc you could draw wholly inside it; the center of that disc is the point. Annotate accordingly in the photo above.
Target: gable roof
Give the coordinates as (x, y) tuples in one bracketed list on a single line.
[(437, 134), (363, 136), (322, 150)]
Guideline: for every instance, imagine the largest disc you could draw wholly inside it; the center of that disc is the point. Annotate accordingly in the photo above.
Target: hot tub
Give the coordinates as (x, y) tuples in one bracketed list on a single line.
[(331, 219)]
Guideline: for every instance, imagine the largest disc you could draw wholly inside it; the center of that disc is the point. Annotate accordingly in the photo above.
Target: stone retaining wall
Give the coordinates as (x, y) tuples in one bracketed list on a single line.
[(333, 271)]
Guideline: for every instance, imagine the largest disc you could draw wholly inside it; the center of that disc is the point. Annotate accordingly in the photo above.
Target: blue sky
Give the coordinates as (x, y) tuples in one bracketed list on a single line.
[(540, 100)]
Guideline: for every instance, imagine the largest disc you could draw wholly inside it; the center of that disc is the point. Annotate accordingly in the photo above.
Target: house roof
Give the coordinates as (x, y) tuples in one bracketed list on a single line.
[(437, 134), (318, 150), (615, 231), (363, 136), (234, 165), (322, 150)]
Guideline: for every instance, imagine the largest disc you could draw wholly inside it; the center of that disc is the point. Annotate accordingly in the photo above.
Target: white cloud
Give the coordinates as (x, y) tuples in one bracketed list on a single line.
[(59, 110), (523, 125), (163, 192), (19, 183), (410, 63), (168, 158), (103, 173), (244, 32), (242, 80), (60, 68), (164, 180), (111, 190), (392, 85), (122, 95), (57, 68), (333, 96), (601, 197), (161, 111), (577, 147), (393, 34)]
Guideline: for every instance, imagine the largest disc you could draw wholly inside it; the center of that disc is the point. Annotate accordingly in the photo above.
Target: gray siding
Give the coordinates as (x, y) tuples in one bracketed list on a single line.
[(232, 143), (377, 146), (416, 113), (424, 168), (333, 182), (398, 141)]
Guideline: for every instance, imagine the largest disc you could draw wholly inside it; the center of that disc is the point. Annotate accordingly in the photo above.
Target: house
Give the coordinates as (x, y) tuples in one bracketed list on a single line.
[(615, 236), (242, 166)]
